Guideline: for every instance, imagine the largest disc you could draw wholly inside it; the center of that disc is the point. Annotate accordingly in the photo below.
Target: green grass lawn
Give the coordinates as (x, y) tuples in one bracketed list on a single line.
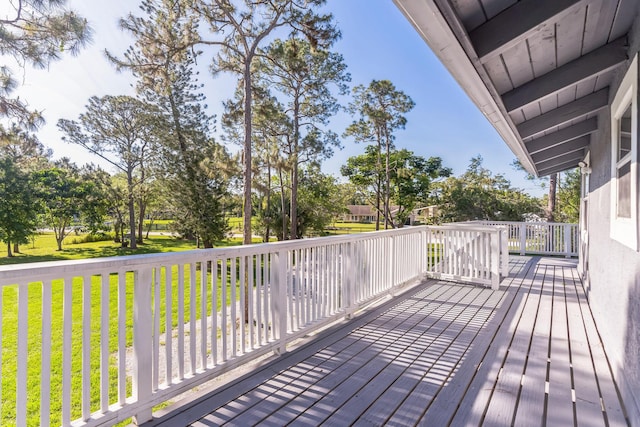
[(351, 227)]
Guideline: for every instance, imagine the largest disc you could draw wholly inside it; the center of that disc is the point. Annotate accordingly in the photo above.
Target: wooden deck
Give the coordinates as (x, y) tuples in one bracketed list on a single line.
[(440, 354)]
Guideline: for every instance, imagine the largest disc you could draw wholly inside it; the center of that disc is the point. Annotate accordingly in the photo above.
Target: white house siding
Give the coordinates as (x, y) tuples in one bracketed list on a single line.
[(613, 285)]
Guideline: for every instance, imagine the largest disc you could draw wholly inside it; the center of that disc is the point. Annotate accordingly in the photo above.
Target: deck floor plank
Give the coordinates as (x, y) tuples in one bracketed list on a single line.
[(587, 394), (441, 354), (430, 358), (560, 408), (472, 404), (531, 405), (382, 357), (504, 400), (444, 366), (614, 409), (343, 365)]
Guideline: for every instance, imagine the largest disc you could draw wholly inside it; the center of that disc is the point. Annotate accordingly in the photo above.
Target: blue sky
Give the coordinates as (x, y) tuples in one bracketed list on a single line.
[(377, 43)]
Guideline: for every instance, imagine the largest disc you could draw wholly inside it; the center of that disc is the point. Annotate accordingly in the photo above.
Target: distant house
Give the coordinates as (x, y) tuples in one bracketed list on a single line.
[(367, 213), (359, 213), (560, 83)]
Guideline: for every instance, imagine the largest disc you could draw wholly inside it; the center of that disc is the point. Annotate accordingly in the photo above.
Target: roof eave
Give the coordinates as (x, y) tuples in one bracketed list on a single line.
[(428, 20)]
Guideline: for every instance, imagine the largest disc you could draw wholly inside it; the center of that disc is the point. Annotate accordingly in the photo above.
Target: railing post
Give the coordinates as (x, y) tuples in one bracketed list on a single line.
[(495, 260), (142, 342), (504, 251), (523, 238), (567, 241), (348, 279), (280, 300)]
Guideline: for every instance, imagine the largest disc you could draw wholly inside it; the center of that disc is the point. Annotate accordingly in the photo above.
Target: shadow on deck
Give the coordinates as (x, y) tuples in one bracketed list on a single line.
[(440, 354)]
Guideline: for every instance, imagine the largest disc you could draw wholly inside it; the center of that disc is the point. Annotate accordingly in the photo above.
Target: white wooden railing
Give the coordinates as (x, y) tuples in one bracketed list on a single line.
[(95, 342), (541, 238)]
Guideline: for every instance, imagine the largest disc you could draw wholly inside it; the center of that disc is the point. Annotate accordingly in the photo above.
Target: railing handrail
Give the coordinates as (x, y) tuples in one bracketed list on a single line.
[(558, 238), (38, 270)]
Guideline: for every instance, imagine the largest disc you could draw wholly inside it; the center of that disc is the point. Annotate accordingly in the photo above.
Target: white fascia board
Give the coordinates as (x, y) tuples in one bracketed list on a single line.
[(427, 19)]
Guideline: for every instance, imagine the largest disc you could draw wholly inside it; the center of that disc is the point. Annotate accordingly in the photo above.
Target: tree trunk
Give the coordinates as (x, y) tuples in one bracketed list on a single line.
[(9, 254), (246, 208), (387, 194), (268, 207), (151, 220), (132, 211), (283, 207), (551, 205), (16, 248), (379, 180), (294, 165), (143, 208)]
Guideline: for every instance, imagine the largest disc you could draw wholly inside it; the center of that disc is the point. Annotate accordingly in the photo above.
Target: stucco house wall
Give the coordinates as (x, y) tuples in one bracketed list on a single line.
[(613, 277)]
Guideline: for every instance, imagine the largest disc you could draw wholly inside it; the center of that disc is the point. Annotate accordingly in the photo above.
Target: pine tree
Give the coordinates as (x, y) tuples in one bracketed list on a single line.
[(193, 165), (37, 33)]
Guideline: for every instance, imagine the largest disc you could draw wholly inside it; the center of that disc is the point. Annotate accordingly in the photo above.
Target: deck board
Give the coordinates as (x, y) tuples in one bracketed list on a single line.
[(532, 405), (441, 354)]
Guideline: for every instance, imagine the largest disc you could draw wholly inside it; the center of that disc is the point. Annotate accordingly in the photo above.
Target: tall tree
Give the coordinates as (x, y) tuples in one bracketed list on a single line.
[(302, 75), (411, 180), (568, 196), (478, 194), (381, 108), (35, 32), (19, 208), (193, 164), (238, 29), (62, 193), (552, 199), (116, 128), (27, 153)]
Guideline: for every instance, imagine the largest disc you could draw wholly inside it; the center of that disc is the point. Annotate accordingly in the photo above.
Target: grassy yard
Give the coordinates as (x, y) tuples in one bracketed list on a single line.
[(351, 227)]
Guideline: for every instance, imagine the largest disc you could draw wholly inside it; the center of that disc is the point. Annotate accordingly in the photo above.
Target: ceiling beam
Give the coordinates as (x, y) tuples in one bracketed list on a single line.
[(555, 168), (516, 23), (573, 110), (595, 63), (563, 135), (560, 150)]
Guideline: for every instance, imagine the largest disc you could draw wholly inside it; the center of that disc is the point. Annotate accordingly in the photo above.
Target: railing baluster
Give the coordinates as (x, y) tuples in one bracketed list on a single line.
[(223, 320), (258, 291), (180, 303), (243, 305), (23, 328), (193, 335), (142, 363), (168, 325), (104, 342), (122, 337), (1, 332), (234, 303), (86, 347), (66, 352), (266, 278), (214, 310), (204, 265), (288, 280), (156, 328), (45, 365), (251, 301)]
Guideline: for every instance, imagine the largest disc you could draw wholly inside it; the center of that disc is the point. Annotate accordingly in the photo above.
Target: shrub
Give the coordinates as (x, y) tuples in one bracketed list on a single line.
[(95, 237)]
